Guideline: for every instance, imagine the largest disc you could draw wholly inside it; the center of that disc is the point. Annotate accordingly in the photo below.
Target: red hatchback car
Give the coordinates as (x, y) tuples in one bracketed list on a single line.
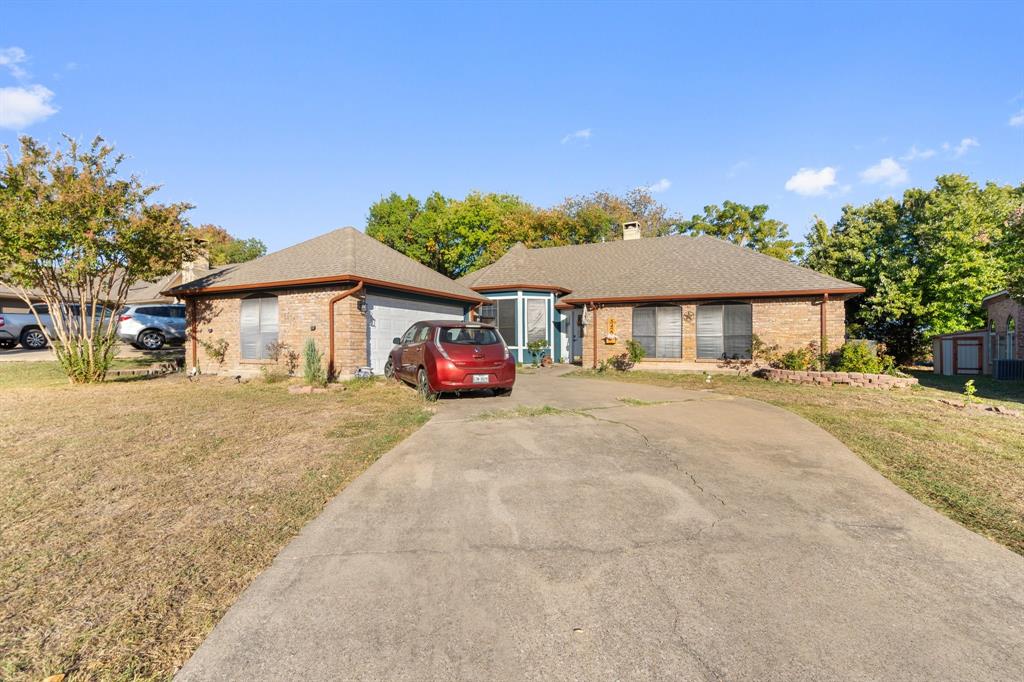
[(444, 356)]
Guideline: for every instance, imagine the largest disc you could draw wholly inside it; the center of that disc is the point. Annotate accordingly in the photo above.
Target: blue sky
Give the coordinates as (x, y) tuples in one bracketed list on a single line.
[(284, 121)]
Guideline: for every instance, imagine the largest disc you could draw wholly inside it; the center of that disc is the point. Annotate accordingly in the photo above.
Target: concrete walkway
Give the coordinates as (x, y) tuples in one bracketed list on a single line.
[(703, 537)]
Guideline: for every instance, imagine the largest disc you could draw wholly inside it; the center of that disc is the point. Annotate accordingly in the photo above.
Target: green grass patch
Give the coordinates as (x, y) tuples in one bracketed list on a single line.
[(636, 402), (522, 412)]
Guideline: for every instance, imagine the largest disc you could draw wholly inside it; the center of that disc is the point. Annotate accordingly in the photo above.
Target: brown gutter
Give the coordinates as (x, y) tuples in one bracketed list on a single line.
[(195, 331), (330, 324), (699, 297), (333, 279)]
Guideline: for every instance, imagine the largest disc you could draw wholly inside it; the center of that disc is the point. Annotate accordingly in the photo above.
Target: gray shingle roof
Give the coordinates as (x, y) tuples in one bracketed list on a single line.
[(340, 255), (655, 267)]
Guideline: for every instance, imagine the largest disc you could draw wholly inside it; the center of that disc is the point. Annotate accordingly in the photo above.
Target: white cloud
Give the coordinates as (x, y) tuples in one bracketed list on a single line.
[(913, 154), (11, 58), (1017, 119), (22, 106), (659, 186), (888, 170), (964, 146), (583, 134), (810, 182)]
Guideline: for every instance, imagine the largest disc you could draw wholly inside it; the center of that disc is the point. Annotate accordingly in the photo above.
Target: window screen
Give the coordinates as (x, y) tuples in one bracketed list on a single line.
[(659, 330), (259, 326), (724, 331), (506, 323), (536, 320)]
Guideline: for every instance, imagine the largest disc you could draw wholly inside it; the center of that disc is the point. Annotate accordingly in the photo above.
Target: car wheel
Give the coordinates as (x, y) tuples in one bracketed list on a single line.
[(389, 369), (424, 386), (33, 339), (8, 343), (151, 340)]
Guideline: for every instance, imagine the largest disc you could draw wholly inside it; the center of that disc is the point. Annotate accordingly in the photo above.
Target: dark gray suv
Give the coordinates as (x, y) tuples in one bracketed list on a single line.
[(149, 327)]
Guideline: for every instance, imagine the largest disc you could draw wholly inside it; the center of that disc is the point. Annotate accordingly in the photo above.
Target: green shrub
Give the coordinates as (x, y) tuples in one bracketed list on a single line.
[(798, 359), (635, 350), (217, 350), (312, 365), (858, 356), (538, 349)]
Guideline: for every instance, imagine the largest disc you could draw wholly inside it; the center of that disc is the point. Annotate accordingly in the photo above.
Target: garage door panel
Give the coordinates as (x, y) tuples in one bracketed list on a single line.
[(390, 316)]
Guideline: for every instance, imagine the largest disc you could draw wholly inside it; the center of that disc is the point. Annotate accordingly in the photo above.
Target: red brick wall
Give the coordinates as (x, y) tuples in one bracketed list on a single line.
[(787, 322), (302, 314), (1000, 310)]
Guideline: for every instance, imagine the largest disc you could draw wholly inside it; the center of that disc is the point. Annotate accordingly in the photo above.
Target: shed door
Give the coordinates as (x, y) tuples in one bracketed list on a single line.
[(947, 356), (968, 356), (390, 316)]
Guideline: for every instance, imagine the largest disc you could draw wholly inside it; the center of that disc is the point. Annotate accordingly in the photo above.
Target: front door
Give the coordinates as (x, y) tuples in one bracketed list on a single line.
[(575, 335)]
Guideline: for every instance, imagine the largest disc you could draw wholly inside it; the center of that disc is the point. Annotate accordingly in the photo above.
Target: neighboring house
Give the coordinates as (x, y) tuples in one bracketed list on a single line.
[(348, 292), (141, 292), (10, 302), (975, 352), (687, 300)]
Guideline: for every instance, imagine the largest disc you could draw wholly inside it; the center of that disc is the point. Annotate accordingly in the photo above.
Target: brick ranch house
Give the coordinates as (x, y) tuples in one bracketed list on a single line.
[(348, 292), (689, 301)]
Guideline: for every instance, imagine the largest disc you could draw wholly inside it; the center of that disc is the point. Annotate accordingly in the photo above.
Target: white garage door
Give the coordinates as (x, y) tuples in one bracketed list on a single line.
[(389, 316)]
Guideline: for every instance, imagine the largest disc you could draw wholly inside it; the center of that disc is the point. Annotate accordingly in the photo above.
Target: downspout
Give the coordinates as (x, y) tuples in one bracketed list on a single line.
[(195, 331), (330, 324), (824, 323), (593, 306)]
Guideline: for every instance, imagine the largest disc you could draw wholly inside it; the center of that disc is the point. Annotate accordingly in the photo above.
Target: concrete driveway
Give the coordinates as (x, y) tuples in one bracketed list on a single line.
[(703, 537)]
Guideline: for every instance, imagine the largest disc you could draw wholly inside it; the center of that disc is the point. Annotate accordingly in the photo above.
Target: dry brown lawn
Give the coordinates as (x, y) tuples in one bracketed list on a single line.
[(133, 513)]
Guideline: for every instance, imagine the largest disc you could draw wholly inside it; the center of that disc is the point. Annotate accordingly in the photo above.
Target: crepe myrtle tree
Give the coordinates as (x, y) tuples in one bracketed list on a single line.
[(78, 235)]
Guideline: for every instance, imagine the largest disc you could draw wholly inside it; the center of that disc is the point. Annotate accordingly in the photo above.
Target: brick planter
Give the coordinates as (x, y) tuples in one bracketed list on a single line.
[(788, 376)]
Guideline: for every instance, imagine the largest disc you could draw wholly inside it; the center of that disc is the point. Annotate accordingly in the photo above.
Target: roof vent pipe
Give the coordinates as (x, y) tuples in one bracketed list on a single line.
[(630, 230)]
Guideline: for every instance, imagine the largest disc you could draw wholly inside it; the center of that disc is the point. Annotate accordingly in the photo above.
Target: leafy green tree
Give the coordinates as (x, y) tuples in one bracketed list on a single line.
[(451, 236), (599, 216), (1013, 252), (456, 236), (224, 248), (746, 226), (81, 235), (926, 261)]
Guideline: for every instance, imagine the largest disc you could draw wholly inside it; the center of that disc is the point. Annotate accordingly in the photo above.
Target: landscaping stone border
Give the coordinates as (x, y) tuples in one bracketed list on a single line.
[(883, 381)]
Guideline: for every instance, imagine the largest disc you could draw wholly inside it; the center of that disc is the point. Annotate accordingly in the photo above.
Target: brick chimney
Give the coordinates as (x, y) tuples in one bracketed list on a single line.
[(195, 268), (631, 230)]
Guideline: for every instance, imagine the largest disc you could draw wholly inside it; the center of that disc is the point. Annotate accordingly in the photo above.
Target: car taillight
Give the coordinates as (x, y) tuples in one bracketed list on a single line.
[(437, 344), (508, 353), (123, 318), (1, 320)]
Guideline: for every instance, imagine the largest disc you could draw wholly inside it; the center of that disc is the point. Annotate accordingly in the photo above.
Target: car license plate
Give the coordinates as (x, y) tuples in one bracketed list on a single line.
[(481, 378)]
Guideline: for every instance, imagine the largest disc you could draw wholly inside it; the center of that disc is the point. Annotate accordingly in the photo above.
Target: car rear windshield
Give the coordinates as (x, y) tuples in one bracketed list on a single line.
[(469, 336)]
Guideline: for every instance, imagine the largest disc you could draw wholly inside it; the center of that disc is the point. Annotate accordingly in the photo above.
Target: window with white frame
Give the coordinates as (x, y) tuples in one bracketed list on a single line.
[(536, 319)]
